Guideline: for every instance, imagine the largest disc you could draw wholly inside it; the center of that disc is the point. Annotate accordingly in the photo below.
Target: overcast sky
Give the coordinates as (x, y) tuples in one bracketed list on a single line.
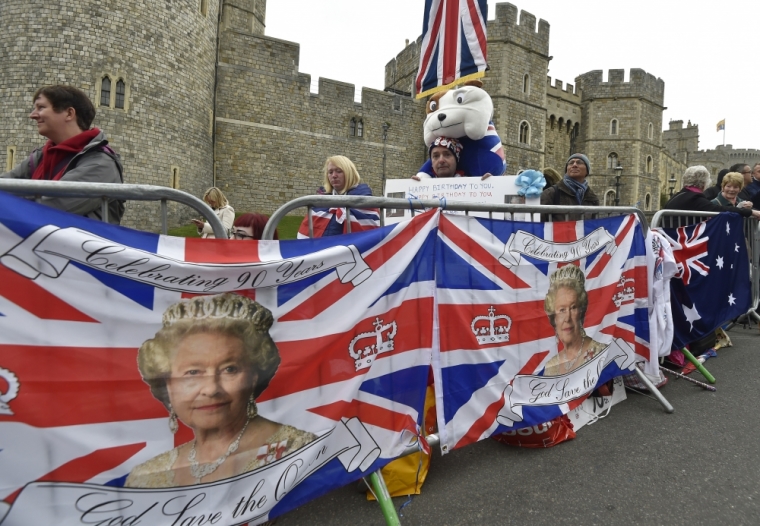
[(709, 66)]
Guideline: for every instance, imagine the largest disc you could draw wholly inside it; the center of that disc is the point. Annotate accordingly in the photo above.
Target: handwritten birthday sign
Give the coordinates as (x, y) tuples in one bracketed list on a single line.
[(494, 190)]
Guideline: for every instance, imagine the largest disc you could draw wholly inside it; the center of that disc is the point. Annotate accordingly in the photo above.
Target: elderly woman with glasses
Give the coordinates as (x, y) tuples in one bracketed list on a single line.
[(691, 197)]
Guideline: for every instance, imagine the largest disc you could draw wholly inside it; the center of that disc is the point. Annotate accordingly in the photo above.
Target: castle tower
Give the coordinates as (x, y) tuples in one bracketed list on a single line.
[(680, 141), (148, 68), (518, 55), (621, 126)]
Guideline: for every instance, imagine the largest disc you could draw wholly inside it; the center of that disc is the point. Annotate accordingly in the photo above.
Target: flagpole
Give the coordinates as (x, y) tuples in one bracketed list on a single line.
[(724, 134)]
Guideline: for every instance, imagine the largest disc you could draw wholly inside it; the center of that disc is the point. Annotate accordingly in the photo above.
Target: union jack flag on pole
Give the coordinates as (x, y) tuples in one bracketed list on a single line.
[(454, 44)]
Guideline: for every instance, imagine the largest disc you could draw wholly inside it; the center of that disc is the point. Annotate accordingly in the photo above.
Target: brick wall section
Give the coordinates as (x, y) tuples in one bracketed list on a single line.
[(273, 136), (165, 54)]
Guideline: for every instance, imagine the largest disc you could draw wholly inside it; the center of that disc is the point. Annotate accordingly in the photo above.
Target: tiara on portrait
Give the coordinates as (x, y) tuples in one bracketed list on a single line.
[(568, 273), (221, 306)]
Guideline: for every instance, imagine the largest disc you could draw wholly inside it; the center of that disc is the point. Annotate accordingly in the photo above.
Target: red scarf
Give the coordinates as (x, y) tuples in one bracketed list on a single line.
[(56, 157)]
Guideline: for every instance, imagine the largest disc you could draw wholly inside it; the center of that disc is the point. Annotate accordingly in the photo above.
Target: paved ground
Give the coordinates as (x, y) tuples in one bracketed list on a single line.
[(699, 465)]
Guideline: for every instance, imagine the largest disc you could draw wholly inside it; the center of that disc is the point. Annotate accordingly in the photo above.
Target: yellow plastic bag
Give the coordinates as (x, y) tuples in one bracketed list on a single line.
[(401, 476)]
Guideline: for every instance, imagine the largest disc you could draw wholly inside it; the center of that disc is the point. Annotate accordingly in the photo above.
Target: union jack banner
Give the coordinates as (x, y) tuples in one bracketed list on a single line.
[(81, 428), (454, 46), (533, 317)]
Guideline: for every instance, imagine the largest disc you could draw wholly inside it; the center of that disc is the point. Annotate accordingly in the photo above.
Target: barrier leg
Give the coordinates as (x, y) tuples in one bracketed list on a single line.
[(701, 368), (655, 392), (384, 499)]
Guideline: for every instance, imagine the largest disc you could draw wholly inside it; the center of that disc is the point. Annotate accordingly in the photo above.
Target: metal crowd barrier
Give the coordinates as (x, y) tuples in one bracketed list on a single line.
[(349, 201), (678, 218), (564, 212), (107, 191), (383, 203)]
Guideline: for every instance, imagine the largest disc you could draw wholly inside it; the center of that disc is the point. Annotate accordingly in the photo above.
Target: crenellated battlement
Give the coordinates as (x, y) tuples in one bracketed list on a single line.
[(640, 85), (561, 90), (505, 26)]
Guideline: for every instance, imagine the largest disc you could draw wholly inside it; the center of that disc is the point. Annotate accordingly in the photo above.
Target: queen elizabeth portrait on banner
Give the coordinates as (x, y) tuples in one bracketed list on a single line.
[(566, 304), (207, 365)]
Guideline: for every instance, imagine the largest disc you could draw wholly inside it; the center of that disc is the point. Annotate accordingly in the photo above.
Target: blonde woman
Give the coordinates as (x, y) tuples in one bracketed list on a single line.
[(730, 187), (340, 178), (219, 204)]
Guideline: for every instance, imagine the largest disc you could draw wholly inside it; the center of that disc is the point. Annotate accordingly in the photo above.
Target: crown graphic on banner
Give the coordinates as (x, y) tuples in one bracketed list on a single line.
[(492, 328), (367, 345)]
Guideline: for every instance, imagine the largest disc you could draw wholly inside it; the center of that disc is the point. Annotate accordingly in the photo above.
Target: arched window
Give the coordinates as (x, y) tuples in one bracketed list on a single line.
[(612, 161), (359, 128), (353, 127), (120, 89), (609, 198), (552, 121), (650, 164), (526, 84), (105, 91), (648, 202), (524, 132), (175, 177), (10, 163), (614, 127), (650, 131), (204, 7)]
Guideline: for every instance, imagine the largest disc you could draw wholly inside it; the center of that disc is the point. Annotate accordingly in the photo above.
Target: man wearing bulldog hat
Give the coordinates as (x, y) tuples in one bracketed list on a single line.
[(572, 190)]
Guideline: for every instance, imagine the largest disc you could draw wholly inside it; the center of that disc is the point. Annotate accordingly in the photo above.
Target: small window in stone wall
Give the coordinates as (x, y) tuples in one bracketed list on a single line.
[(650, 131), (105, 92), (204, 7), (352, 127), (648, 202), (120, 90), (612, 160), (650, 164), (614, 127), (526, 84), (10, 162), (524, 133), (397, 103), (609, 198), (359, 128), (175, 177)]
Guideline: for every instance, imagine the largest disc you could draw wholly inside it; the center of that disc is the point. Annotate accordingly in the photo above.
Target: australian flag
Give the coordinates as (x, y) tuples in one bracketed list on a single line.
[(712, 285), (454, 46)]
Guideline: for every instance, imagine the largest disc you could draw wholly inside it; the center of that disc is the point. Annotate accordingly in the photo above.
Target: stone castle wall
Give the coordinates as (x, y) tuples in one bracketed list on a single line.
[(563, 114), (165, 55), (273, 135)]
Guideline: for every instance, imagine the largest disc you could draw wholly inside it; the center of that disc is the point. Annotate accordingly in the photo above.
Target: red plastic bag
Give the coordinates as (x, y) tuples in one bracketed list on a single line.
[(547, 434)]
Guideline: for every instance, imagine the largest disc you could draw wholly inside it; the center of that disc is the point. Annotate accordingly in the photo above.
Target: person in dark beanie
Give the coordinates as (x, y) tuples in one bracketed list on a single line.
[(713, 191), (572, 190), (73, 152)]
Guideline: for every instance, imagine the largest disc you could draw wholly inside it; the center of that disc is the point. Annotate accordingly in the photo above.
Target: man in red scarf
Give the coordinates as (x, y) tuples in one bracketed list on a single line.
[(74, 151)]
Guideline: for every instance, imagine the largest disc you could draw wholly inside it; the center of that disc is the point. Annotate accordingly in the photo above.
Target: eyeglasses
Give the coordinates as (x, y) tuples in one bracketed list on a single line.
[(575, 161), (239, 234)]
